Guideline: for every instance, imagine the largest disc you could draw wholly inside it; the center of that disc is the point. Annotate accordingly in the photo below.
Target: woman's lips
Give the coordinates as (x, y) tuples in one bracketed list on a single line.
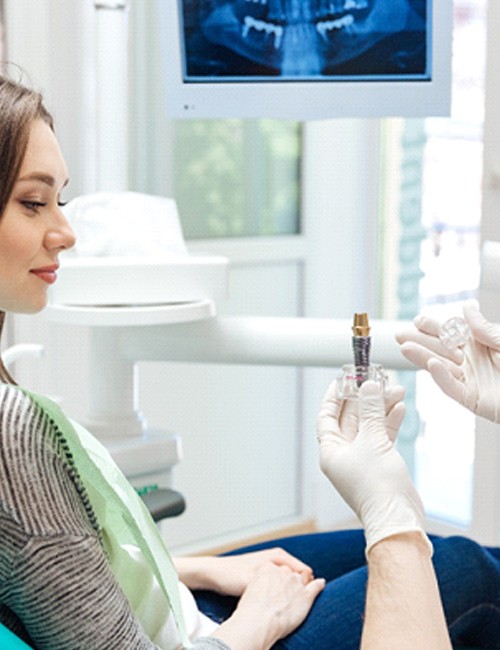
[(47, 274)]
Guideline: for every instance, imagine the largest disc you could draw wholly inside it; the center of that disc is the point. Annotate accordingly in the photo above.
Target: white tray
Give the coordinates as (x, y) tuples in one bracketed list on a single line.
[(127, 281)]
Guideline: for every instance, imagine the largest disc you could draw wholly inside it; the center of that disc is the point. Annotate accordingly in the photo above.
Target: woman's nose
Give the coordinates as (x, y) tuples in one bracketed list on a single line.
[(61, 235)]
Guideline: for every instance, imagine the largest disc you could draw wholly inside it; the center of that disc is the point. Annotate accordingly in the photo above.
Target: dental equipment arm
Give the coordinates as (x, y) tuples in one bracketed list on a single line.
[(273, 341), (469, 374), (358, 455), (308, 342)]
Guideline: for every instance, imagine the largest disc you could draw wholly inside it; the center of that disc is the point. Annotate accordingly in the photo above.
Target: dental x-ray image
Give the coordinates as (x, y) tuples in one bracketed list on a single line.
[(306, 39)]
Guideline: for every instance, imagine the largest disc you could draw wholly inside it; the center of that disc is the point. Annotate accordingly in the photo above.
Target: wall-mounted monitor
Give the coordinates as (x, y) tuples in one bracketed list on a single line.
[(306, 59)]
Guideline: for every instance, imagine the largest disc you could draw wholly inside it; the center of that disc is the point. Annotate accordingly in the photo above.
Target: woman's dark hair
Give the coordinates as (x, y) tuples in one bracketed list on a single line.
[(19, 106)]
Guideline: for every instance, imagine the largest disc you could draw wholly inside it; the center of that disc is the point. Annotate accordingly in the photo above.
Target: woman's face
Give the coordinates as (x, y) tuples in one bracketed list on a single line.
[(33, 229)]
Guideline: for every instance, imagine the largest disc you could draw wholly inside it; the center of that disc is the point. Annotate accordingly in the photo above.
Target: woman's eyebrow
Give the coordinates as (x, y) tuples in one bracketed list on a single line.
[(43, 178)]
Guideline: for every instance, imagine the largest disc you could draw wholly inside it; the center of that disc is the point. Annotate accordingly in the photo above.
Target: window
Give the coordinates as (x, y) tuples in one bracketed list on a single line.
[(448, 256), (236, 178), (230, 178)]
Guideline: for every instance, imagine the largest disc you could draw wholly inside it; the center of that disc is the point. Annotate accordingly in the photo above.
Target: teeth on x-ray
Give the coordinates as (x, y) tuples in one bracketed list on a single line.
[(306, 37), (355, 4), (325, 27), (261, 26)]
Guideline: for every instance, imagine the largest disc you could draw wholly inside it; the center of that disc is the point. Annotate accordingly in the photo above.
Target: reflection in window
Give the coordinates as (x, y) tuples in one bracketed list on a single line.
[(236, 178), (451, 211)]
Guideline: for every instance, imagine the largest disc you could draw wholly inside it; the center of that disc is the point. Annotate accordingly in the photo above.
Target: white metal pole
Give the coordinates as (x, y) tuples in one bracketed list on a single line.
[(113, 411), (306, 342), (112, 95)]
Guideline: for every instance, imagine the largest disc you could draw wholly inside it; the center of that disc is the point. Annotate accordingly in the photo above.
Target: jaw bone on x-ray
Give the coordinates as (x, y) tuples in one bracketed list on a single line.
[(305, 38)]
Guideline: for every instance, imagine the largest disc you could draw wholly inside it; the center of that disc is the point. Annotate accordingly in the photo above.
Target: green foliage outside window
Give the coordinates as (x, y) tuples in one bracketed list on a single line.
[(237, 178)]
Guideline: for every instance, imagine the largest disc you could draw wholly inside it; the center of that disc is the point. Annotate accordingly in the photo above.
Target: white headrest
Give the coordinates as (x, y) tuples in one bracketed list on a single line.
[(125, 224)]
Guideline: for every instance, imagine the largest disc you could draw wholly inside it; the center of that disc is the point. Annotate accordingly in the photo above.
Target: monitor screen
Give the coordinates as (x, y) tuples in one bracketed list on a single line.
[(307, 59)]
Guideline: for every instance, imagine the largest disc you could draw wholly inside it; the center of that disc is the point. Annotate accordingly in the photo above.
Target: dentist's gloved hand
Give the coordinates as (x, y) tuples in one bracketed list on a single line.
[(471, 374), (359, 457)]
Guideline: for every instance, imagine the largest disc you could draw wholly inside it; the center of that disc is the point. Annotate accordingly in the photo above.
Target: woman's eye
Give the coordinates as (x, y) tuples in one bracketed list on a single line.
[(33, 206), (61, 204)]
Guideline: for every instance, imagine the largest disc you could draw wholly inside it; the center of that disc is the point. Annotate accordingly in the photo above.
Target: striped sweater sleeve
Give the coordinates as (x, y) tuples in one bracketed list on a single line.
[(57, 590)]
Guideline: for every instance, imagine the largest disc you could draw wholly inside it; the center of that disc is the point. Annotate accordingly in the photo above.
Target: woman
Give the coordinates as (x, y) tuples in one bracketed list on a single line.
[(81, 564)]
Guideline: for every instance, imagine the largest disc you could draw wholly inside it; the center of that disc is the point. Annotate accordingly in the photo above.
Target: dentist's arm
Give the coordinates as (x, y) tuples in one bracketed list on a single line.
[(403, 606), (469, 375), (358, 455)]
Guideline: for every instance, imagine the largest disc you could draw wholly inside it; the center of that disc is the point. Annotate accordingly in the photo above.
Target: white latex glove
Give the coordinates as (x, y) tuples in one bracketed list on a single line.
[(359, 457), (471, 374)]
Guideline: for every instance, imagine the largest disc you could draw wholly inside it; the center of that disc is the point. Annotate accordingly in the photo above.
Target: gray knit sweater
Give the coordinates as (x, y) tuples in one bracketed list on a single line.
[(57, 590)]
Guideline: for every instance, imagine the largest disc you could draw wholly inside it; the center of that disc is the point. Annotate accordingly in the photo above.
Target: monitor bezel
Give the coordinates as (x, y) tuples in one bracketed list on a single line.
[(313, 99)]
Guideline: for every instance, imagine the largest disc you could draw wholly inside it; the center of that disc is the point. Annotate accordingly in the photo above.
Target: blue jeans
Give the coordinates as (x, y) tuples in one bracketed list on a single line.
[(468, 576)]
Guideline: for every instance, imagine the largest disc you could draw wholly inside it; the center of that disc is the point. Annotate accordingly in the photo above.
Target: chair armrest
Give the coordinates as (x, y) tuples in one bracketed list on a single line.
[(164, 502)]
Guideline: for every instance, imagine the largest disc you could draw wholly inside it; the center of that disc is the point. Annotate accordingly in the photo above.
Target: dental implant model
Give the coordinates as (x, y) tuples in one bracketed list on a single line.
[(454, 333), (353, 375), (361, 343)]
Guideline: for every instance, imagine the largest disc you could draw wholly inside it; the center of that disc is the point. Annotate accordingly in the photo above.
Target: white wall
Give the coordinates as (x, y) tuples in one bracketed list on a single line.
[(53, 42), (50, 45), (486, 507)]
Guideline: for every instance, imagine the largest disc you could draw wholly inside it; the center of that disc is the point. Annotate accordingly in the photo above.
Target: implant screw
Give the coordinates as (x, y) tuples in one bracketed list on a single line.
[(361, 342)]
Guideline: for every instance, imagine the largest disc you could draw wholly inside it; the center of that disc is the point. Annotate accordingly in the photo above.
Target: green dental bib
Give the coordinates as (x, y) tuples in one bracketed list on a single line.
[(123, 518)]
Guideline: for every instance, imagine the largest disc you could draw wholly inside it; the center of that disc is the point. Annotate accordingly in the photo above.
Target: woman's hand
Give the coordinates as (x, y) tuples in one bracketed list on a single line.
[(275, 602), (231, 575), (471, 374), (276, 592)]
